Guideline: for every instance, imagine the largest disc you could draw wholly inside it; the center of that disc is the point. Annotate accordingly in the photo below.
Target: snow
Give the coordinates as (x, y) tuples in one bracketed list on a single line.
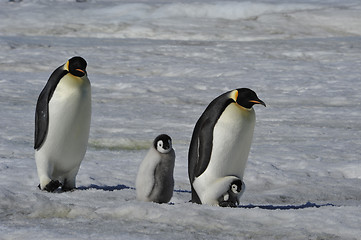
[(154, 66)]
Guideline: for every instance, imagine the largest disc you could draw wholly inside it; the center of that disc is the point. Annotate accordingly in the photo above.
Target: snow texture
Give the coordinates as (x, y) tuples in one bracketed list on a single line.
[(154, 66)]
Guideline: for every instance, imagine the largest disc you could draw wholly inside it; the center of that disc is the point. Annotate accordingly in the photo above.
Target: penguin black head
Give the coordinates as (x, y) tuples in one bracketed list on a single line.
[(236, 186), (77, 66), (246, 98), (163, 143)]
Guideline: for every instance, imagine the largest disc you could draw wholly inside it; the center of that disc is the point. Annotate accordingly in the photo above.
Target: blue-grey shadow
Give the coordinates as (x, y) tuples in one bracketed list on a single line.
[(106, 188), (182, 191), (287, 207)]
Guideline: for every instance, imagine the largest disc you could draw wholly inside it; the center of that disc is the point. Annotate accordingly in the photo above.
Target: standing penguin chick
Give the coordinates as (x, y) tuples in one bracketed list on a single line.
[(220, 144), (155, 181), (62, 123)]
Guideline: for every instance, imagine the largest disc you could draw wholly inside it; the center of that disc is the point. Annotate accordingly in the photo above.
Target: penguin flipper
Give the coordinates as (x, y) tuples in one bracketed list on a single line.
[(154, 191), (202, 139), (42, 108), (200, 153), (205, 144), (205, 147)]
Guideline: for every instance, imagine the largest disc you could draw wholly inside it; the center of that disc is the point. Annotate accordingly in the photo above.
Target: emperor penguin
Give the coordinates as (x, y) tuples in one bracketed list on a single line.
[(220, 145), (155, 182), (231, 197), (62, 123)]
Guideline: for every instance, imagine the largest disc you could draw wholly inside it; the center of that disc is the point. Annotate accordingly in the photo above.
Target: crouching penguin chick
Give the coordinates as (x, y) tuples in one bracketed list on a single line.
[(231, 197)]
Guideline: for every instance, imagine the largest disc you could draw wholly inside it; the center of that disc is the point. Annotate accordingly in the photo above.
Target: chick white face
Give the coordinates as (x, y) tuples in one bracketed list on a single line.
[(235, 188), (163, 143)]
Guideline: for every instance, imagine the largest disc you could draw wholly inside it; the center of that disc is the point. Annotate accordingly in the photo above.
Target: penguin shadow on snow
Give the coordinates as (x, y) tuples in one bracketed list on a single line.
[(118, 188), (106, 188), (287, 207), (249, 206)]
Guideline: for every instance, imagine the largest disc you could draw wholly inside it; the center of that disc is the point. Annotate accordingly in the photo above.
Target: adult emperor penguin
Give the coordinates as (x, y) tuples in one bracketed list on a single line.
[(62, 123), (154, 182), (220, 144)]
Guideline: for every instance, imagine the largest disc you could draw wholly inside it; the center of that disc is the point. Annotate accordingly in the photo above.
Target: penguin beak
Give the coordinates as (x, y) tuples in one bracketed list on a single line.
[(79, 70), (258, 102)]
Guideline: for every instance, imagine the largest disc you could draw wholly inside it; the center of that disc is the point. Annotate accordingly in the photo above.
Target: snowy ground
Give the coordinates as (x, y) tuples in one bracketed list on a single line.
[(154, 67)]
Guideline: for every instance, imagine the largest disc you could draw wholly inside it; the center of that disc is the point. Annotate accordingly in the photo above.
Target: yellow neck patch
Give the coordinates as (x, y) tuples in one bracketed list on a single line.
[(234, 95), (66, 66)]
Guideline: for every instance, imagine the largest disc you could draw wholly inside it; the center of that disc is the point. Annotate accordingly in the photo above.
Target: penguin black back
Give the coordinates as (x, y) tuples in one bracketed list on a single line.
[(42, 108), (200, 154)]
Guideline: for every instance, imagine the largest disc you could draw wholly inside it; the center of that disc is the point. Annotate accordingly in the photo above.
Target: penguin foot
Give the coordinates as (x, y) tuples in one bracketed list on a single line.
[(68, 186), (67, 189), (195, 198), (196, 202), (52, 186), (227, 204)]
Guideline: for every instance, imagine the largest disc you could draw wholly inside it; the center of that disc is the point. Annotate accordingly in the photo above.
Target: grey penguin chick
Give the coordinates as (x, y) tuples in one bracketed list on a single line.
[(62, 124), (155, 182), (231, 197)]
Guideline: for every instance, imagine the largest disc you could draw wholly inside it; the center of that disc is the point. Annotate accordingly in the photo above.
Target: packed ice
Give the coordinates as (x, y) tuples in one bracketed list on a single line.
[(154, 66)]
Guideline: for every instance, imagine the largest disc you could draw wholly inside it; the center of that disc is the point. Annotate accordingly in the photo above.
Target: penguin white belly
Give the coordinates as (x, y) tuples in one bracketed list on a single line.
[(232, 138), (145, 178), (68, 130)]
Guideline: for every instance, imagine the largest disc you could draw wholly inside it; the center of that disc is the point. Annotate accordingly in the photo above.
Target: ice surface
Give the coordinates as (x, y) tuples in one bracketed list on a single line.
[(154, 66)]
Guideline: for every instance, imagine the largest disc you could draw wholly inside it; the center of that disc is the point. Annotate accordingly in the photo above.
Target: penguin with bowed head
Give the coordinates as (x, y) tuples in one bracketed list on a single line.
[(155, 182), (62, 124), (220, 146)]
